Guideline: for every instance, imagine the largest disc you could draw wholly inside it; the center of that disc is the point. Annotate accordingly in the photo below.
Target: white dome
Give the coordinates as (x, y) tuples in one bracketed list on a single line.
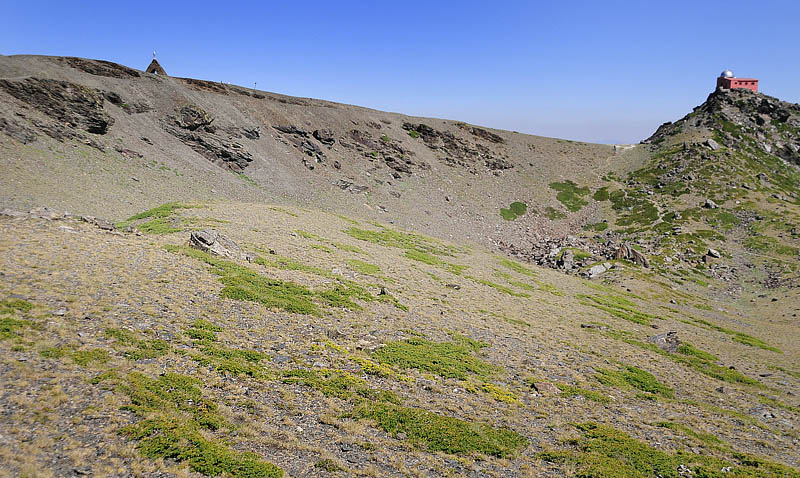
[(726, 74)]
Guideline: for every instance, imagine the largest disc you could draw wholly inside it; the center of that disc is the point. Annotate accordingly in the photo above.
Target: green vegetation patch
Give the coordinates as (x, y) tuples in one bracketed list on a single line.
[(337, 383), (402, 240), (136, 348), (696, 359), (432, 260), (363, 267), (9, 306), (159, 222), (243, 283), (82, 357), (515, 209), (435, 432), (573, 391), (603, 452), (601, 194), (636, 378), (596, 227), (220, 358), (769, 244), (740, 337), (704, 438), (498, 287), (454, 359), (617, 307), (570, 195), (517, 267), (179, 424)]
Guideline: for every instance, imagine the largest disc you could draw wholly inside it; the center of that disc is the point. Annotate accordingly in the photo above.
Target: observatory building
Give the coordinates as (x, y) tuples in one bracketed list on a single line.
[(728, 81)]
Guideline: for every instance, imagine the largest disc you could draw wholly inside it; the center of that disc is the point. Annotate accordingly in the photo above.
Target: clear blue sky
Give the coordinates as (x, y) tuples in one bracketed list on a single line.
[(605, 71)]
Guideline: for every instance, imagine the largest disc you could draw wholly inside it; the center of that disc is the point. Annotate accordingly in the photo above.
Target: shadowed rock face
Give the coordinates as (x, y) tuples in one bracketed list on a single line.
[(78, 106), (100, 67)]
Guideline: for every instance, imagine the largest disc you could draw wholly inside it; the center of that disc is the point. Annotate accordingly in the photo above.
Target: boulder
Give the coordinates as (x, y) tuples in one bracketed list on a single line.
[(596, 270), (217, 244), (626, 252), (710, 204), (714, 253), (712, 144), (667, 342)]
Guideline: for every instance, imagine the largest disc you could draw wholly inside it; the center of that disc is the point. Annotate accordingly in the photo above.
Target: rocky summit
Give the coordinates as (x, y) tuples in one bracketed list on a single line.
[(201, 279)]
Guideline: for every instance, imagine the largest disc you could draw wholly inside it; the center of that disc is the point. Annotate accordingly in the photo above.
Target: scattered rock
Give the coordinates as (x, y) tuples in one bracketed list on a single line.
[(345, 185)]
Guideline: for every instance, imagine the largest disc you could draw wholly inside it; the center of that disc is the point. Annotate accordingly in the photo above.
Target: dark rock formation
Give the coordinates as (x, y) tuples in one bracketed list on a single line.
[(100, 67), (76, 105), (192, 117), (227, 154), (324, 136), (292, 130), (345, 185), (456, 151), (487, 135), (20, 133), (252, 133)]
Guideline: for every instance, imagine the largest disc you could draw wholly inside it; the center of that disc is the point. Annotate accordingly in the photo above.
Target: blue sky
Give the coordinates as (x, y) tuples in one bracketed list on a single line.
[(604, 71)]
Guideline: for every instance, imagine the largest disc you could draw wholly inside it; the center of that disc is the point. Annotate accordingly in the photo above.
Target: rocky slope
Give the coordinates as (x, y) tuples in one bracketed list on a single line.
[(249, 305)]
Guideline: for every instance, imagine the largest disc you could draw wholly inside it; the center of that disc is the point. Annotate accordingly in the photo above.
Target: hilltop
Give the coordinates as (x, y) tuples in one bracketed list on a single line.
[(200, 279)]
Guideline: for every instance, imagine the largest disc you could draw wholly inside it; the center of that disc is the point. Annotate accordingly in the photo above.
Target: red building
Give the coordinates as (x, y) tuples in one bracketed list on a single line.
[(728, 81)]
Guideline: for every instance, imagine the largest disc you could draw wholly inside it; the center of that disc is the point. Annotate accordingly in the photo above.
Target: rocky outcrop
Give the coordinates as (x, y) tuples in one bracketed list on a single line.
[(458, 152), (349, 186), (74, 105), (324, 136), (627, 252), (227, 154), (218, 245), (192, 117), (300, 140), (15, 130), (486, 135), (100, 67)]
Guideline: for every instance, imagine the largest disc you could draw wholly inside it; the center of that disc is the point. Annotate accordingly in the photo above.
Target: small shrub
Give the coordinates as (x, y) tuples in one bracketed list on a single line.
[(515, 210)]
